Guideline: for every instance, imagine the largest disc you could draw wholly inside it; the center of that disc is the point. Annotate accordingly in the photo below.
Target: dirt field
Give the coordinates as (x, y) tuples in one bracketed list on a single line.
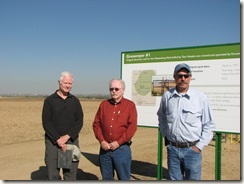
[(22, 146)]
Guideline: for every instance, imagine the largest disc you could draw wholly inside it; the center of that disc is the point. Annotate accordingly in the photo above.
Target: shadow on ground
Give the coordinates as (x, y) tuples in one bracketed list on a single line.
[(41, 175), (137, 167)]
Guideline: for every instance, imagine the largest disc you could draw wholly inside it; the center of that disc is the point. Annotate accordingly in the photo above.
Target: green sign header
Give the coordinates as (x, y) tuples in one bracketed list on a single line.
[(183, 54)]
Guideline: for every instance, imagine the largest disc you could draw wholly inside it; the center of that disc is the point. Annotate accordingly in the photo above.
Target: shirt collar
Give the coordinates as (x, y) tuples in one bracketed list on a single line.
[(188, 94), (57, 96), (111, 101)]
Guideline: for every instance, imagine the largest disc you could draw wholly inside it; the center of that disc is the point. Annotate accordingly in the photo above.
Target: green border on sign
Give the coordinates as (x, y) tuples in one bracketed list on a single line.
[(212, 52)]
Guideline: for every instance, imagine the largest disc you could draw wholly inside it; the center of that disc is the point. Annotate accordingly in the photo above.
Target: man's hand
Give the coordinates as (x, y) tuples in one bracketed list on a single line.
[(196, 149), (114, 145), (64, 148), (62, 140), (105, 145)]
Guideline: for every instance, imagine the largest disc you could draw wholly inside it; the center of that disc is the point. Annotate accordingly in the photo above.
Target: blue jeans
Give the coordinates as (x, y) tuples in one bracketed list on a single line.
[(118, 160), (184, 163)]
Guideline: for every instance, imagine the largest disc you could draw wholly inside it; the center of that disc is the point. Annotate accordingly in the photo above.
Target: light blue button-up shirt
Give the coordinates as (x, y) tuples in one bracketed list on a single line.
[(186, 118)]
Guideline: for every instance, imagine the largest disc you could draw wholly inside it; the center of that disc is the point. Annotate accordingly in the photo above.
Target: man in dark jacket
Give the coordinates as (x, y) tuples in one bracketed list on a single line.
[(62, 120)]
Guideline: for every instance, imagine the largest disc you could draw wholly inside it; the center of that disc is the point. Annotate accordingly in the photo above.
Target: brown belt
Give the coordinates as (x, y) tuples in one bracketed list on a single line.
[(183, 145)]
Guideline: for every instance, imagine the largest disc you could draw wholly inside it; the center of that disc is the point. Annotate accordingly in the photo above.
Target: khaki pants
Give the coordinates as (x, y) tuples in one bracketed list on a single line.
[(51, 161)]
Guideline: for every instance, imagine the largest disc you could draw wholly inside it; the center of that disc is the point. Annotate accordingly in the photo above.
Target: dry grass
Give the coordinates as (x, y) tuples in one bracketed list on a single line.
[(22, 147)]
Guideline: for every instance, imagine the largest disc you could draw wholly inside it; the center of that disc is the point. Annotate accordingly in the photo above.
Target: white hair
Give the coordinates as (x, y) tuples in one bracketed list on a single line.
[(120, 80), (65, 74)]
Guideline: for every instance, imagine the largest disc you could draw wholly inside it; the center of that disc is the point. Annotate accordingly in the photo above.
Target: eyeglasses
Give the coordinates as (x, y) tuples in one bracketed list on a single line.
[(116, 89), (185, 75)]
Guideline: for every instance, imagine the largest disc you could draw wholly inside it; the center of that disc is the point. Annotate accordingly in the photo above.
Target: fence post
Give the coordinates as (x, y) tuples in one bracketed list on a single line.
[(218, 141), (160, 153)]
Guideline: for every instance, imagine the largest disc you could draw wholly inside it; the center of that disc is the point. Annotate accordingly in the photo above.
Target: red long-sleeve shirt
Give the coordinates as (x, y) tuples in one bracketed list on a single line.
[(115, 122)]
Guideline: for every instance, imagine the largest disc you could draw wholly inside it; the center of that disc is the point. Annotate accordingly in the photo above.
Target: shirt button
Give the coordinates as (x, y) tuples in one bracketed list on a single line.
[(111, 125)]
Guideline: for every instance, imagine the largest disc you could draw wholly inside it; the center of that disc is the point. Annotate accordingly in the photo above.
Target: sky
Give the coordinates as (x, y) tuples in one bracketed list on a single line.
[(41, 38)]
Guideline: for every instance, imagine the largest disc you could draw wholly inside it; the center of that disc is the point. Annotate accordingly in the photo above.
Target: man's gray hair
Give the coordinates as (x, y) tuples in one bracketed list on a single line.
[(65, 74), (120, 80)]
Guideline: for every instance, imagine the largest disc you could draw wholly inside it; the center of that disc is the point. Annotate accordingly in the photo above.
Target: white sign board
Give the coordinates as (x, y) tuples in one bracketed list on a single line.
[(215, 71)]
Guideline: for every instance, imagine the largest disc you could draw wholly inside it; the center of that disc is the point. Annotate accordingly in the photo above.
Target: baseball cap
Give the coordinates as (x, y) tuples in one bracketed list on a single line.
[(180, 66)]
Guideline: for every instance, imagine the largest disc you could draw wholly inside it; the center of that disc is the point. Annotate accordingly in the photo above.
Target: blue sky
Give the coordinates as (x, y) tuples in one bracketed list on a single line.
[(41, 38)]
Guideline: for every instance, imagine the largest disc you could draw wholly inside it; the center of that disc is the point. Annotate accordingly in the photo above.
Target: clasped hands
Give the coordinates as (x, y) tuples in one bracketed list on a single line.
[(109, 146), (62, 142)]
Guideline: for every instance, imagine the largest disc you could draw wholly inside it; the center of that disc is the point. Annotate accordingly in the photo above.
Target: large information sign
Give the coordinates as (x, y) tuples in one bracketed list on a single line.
[(215, 71)]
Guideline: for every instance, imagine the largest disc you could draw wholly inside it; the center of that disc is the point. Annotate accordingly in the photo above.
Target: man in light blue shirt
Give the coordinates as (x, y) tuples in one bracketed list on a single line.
[(186, 123)]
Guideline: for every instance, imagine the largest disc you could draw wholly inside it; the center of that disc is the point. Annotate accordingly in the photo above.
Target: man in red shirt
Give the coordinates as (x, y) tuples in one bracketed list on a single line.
[(114, 126)]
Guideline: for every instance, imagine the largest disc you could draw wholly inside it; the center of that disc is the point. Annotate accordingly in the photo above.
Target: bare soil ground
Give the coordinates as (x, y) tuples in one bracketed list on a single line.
[(22, 146)]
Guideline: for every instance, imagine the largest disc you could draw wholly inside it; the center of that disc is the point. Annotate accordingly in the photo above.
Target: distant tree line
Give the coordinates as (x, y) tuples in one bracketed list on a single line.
[(90, 96), (94, 96)]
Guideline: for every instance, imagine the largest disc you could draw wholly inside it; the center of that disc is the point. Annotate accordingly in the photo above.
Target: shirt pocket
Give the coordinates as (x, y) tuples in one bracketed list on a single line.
[(123, 119), (170, 114), (192, 115)]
